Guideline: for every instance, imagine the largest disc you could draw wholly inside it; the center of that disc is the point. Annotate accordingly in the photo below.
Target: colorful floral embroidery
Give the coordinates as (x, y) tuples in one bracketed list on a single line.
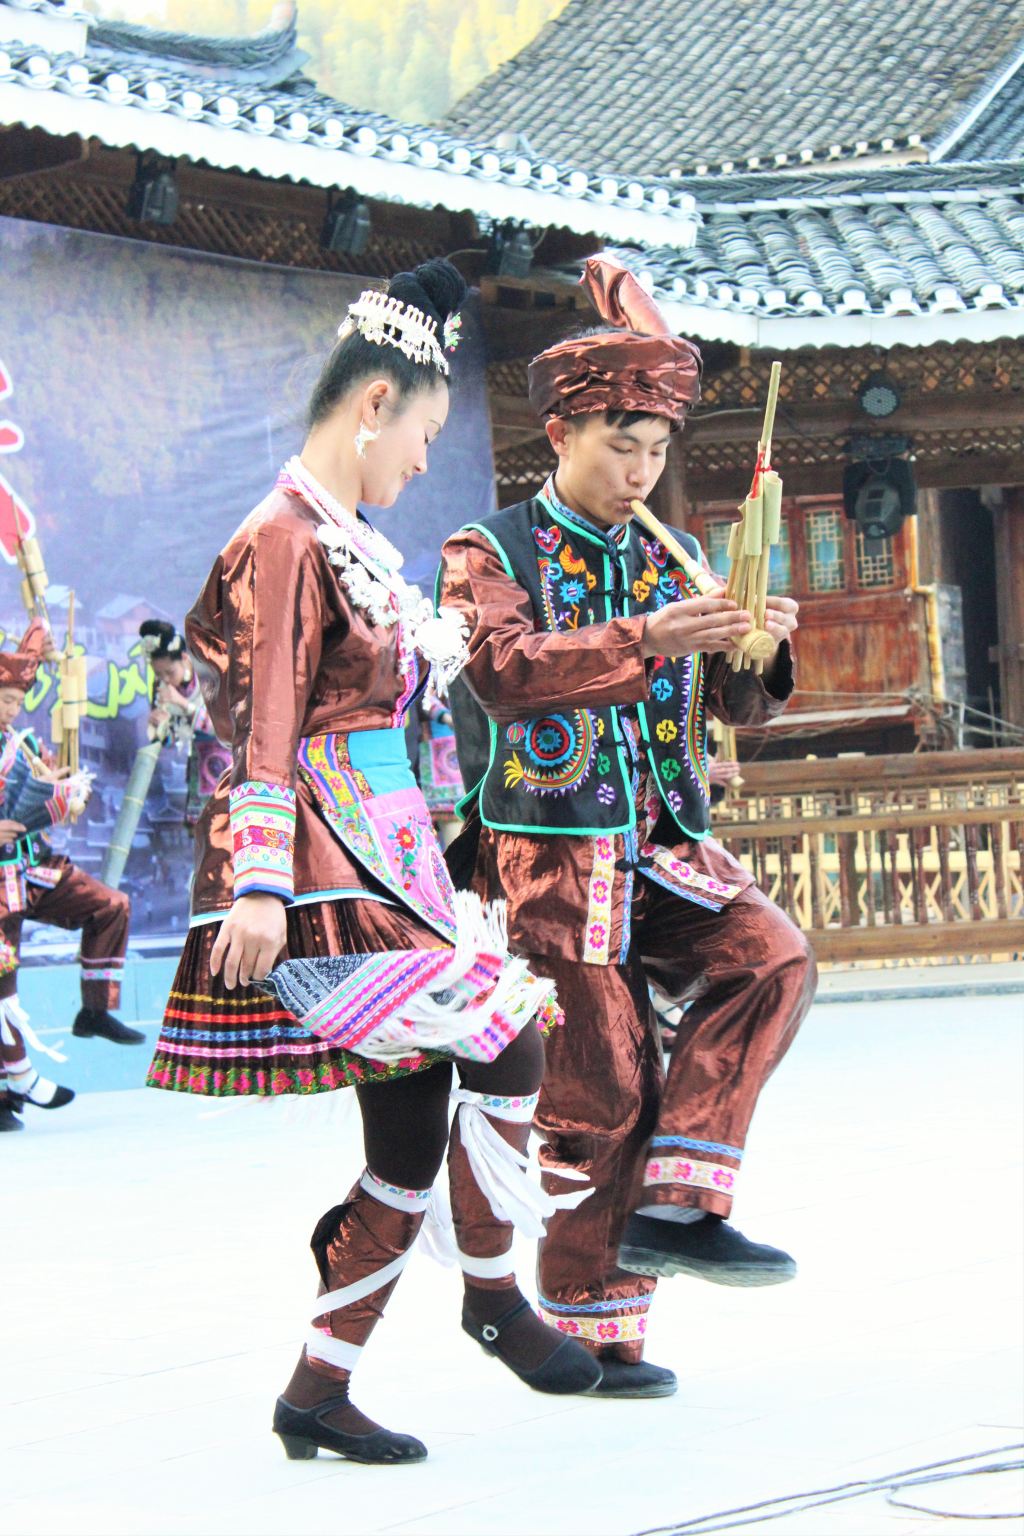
[(262, 818), (691, 1172), (606, 794), (599, 901), (548, 538), (662, 690), (621, 1330), (667, 730), (559, 752)]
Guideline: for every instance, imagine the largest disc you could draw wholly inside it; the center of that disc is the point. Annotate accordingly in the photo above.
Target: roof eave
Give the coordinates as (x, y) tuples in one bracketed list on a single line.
[(791, 333), (278, 158)]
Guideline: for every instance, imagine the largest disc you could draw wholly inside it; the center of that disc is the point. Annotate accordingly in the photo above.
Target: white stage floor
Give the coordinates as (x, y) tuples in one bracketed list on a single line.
[(156, 1280)]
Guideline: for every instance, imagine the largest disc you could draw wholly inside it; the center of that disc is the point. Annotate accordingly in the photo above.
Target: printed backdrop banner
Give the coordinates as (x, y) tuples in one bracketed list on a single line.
[(148, 397)]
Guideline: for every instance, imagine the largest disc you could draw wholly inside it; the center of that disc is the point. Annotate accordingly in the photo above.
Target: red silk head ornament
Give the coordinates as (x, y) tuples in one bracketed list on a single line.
[(18, 668), (640, 366)]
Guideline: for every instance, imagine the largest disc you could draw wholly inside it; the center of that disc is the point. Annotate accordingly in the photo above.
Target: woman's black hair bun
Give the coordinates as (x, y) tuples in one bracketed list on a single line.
[(435, 286), (160, 629)]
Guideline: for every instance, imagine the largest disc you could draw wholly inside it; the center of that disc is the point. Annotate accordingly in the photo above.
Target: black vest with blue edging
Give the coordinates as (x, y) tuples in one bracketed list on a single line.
[(572, 771)]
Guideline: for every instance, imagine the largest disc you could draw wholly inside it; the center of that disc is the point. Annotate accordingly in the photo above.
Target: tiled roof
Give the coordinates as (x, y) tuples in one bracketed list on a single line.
[(272, 57), (188, 97), (998, 133), (941, 242), (670, 86)]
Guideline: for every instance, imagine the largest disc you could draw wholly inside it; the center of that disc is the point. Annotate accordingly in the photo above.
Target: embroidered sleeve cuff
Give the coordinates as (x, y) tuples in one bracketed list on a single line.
[(263, 838)]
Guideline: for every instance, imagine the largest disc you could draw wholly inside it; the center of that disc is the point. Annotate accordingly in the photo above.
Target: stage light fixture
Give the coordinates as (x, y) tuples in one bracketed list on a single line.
[(878, 396), (878, 495), (347, 225), (153, 195), (510, 250)]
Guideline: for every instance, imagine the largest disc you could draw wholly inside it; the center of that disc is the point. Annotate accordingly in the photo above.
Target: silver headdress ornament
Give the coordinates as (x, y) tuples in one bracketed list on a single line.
[(388, 322)]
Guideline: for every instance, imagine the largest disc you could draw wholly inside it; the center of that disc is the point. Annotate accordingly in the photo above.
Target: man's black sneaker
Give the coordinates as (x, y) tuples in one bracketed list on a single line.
[(92, 1021), (621, 1379), (709, 1249)]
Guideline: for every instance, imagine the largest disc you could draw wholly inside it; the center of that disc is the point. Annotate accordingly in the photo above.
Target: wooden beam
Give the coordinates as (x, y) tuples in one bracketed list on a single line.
[(832, 418), (33, 152), (891, 771), (988, 937), (970, 471)]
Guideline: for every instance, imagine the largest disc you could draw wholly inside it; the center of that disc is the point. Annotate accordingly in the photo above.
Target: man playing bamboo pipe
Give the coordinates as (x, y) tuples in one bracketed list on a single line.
[(45, 887), (580, 721)]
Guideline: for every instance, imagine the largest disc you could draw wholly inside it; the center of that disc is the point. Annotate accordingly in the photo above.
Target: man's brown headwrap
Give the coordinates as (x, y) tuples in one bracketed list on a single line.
[(18, 668), (645, 368)]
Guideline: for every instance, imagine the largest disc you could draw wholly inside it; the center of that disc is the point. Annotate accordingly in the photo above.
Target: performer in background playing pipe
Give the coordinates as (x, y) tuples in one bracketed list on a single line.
[(580, 720), (179, 716), (38, 883)]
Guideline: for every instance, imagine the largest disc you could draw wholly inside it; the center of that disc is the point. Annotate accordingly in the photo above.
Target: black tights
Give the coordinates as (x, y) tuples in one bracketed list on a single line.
[(405, 1122)]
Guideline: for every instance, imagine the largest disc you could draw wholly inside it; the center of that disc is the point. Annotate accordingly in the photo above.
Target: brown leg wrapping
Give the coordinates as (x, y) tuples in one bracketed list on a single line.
[(351, 1242), (752, 975), (597, 1109)]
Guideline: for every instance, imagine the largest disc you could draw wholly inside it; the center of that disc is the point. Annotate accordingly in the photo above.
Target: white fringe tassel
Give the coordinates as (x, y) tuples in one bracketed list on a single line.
[(426, 1024)]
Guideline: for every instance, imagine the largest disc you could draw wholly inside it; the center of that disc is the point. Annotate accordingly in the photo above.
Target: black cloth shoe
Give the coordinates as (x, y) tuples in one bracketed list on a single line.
[(93, 1021), (302, 1432), (622, 1379), (569, 1368), (8, 1117), (709, 1249)]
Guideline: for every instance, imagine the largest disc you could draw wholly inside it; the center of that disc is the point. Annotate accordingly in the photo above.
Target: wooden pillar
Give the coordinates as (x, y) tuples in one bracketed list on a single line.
[(668, 499), (1008, 520)]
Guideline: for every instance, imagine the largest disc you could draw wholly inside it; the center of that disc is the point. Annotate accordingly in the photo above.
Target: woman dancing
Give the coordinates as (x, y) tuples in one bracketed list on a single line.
[(326, 948)]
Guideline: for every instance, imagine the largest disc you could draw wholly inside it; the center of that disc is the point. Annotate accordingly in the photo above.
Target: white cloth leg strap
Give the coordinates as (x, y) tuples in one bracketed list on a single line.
[(11, 1012), (499, 1170), (323, 1346)]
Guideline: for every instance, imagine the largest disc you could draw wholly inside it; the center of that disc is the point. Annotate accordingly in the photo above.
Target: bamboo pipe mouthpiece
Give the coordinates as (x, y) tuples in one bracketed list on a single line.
[(756, 643)]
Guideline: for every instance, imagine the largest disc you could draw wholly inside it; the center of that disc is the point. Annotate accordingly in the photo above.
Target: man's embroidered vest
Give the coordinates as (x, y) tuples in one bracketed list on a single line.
[(572, 771)]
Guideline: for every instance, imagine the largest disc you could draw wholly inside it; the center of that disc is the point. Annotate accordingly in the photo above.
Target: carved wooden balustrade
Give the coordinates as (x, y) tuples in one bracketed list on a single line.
[(888, 857)]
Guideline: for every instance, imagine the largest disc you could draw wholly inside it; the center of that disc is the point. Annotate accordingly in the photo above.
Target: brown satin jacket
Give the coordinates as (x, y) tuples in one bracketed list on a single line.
[(282, 654)]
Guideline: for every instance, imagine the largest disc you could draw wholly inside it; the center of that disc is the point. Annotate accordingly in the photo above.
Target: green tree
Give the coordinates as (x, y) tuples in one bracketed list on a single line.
[(409, 58)]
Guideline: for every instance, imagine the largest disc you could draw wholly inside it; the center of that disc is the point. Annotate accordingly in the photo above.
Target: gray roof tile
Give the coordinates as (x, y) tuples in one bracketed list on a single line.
[(918, 239), (667, 86)]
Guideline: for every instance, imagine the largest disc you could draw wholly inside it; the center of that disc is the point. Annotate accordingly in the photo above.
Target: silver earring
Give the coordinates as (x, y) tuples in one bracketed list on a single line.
[(363, 436)]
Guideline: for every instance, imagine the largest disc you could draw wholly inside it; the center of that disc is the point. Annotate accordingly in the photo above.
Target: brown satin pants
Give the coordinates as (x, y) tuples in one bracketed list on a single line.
[(606, 1111), (79, 901)]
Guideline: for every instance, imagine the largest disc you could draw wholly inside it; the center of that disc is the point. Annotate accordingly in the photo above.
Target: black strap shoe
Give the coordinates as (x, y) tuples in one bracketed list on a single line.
[(8, 1116), (92, 1021), (302, 1432), (622, 1379), (57, 1100), (569, 1368), (709, 1249)]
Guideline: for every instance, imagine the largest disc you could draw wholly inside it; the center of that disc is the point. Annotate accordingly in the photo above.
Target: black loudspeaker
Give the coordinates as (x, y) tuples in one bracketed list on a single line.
[(878, 495)]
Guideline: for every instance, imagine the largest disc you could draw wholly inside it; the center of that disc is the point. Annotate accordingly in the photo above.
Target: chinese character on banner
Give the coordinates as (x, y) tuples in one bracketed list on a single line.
[(16, 521)]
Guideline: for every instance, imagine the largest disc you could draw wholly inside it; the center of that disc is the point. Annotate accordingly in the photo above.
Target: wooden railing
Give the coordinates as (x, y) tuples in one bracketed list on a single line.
[(888, 857)]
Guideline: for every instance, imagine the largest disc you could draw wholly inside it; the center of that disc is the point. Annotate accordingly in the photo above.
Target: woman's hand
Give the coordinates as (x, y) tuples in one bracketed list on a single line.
[(168, 694), (10, 831), (251, 937)]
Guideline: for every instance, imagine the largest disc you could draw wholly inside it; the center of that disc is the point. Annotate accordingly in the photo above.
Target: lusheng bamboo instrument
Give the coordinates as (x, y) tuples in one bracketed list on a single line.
[(756, 644), (751, 539), (71, 706)]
